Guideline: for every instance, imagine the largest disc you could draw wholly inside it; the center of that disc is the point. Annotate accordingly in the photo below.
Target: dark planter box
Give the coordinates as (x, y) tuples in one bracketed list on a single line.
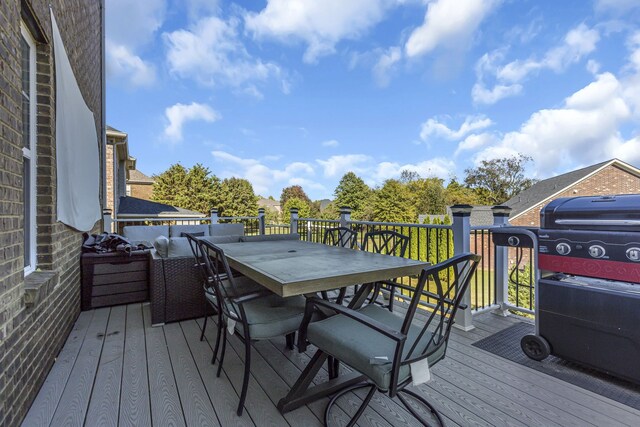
[(114, 278)]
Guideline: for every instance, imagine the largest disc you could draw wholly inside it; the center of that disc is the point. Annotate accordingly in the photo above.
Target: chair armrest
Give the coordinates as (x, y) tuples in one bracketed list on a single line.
[(241, 299), (360, 318), (427, 293)]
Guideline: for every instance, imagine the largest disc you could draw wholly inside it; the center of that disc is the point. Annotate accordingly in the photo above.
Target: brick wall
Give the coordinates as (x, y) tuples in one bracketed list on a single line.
[(37, 313), (610, 180), (141, 191)]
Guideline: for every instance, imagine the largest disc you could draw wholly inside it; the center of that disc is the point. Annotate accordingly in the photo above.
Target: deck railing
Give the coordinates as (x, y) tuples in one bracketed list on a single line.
[(504, 281)]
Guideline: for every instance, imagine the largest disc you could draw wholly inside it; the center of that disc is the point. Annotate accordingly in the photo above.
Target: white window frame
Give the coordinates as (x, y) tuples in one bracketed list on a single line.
[(30, 152)]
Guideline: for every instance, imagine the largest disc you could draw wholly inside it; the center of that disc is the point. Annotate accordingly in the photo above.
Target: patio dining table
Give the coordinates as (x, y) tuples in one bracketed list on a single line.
[(293, 267)]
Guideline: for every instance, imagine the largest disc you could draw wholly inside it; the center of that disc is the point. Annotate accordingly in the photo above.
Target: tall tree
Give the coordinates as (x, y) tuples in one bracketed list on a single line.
[(393, 203), (500, 179), (428, 195), (238, 198), (303, 207), (195, 189), (458, 194), (293, 191), (353, 192)]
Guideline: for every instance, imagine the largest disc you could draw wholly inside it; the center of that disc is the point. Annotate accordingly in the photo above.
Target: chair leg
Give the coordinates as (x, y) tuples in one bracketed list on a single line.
[(220, 332), (392, 296), (341, 295), (290, 340), (247, 373), (336, 368), (325, 295), (224, 347), (360, 411), (421, 400), (204, 326)]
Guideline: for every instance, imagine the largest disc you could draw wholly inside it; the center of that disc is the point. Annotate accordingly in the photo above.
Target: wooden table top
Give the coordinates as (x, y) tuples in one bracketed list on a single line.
[(292, 267)]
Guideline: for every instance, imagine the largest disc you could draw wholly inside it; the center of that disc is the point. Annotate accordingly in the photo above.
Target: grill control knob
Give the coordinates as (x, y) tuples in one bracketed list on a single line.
[(513, 241), (596, 251), (633, 254), (563, 248)]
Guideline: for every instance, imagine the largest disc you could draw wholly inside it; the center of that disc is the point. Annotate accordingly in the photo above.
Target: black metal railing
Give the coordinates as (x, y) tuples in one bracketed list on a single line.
[(521, 280), (483, 284), (251, 223)]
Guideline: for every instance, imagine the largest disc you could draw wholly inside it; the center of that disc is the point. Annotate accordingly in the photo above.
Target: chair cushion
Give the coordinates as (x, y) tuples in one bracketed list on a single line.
[(244, 285), (146, 233), (177, 230), (179, 247), (271, 237), (356, 344), (273, 316), (226, 230)]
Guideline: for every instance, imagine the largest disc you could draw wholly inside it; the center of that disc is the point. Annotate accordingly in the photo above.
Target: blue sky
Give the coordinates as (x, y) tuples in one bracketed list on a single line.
[(285, 92)]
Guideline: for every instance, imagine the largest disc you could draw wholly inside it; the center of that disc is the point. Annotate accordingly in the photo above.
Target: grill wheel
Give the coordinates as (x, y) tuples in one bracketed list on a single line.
[(535, 347)]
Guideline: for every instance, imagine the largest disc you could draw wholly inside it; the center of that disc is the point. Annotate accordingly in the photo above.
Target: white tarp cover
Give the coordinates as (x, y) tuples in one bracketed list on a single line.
[(78, 161)]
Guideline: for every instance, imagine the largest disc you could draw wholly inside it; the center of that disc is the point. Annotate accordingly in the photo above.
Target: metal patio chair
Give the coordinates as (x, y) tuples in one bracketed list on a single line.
[(386, 242), (386, 348), (344, 237), (257, 315)]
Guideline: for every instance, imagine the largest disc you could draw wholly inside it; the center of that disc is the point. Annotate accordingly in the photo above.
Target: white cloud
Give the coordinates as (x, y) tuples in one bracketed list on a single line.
[(437, 167), (196, 9), (583, 131), (385, 65), (129, 27), (212, 53), (339, 165), (318, 24), (267, 180), (179, 114), (121, 62), (577, 43), (330, 143), (471, 124), (616, 6), (448, 23), (475, 141)]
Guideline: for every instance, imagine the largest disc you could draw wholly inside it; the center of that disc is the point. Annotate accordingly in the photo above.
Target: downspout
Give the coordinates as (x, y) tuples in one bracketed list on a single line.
[(103, 124)]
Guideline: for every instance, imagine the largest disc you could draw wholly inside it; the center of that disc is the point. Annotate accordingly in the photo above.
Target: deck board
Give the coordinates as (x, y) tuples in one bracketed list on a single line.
[(135, 408), (160, 376)]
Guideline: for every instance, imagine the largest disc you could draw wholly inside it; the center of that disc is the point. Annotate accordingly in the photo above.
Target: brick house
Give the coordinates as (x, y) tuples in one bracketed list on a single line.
[(118, 165), (139, 185), (607, 178), (39, 266)]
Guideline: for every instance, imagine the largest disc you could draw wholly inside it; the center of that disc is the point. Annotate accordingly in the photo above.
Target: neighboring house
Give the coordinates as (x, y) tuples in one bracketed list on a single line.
[(118, 166), (269, 204), (139, 185), (40, 233), (606, 178)]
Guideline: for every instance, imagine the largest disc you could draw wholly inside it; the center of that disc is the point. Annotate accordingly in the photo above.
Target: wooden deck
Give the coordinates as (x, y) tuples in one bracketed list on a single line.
[(116, 369)]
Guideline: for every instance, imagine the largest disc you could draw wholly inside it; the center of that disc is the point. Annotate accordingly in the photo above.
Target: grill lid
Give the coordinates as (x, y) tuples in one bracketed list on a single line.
[(610, 213)]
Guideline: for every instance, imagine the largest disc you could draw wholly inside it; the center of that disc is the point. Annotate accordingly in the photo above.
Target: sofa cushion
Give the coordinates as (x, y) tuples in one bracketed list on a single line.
[(198, 234), (179, 247), (271, 237), (222, 239), (161, 244), (226, 229), (145, 233), (177, 230)]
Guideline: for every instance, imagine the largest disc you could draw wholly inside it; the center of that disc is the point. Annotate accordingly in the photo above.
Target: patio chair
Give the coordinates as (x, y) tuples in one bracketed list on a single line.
[(344, 237), (244, 285), (257, 315), (392, 351), (386, 242)]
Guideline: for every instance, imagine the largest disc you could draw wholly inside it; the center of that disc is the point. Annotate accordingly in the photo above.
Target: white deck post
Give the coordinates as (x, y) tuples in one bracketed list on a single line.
[(107, 221), (214, 216), (501, 218), (345, 216), (261, 221), (294, 220), (462, 243)]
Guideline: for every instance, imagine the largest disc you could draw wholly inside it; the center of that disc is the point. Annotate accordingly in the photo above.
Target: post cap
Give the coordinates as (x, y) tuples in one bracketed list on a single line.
[(461, 210), (293, 210), (260, 210), (106, 211), (214, 210), (345, 210), (501, 210)]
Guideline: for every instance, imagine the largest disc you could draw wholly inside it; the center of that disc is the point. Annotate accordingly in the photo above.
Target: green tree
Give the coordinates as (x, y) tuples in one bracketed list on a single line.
[(330, 212), (458, 194), (195, 189), (237, 198), (428, 195), (303, 209), (291, 192), (499, 179), (354, 193), (393, 203)]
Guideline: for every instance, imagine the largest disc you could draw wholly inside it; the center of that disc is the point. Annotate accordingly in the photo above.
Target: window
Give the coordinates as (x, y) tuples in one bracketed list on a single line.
[(28, 53)]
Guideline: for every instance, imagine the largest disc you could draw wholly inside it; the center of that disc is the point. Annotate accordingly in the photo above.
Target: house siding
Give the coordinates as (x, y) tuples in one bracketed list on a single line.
[(609, 180), (37, 313), (141, 191)]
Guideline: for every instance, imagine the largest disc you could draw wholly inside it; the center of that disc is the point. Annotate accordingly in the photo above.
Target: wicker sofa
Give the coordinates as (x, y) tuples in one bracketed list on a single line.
[(176, 291)]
